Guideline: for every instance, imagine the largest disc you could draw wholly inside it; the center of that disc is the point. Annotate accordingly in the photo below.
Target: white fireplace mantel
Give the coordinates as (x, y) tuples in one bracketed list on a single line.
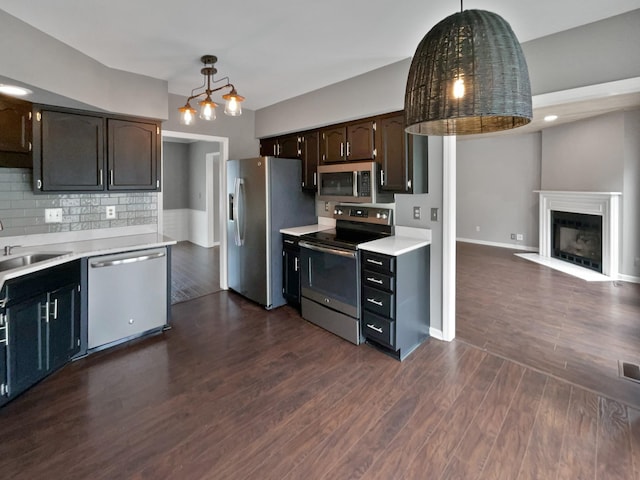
[(604, 204)]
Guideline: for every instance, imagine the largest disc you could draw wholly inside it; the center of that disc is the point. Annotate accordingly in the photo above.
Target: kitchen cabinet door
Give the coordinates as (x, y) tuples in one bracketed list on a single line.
[(63, 326), (268, 147), (360, 141), (310, 154), (291, 271), (288, 147), (68, 151), (391, 146), (132, 155), (4, 381), (333, 144), (27, 343), (15, 125)]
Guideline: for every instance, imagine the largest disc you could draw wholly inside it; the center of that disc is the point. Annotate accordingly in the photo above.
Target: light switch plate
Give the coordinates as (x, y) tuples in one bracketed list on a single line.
[(52, 215), (434, 214), (111, 212)]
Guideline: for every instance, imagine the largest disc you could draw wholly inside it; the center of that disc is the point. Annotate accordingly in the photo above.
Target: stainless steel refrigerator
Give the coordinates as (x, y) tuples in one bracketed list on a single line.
[(264, 195)]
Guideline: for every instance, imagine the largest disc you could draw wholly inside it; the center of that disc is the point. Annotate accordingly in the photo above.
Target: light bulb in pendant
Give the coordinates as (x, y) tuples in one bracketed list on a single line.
[(458, 88)]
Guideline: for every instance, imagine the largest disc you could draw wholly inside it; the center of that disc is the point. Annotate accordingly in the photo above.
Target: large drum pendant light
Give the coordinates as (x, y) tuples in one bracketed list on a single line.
[(468, 76)]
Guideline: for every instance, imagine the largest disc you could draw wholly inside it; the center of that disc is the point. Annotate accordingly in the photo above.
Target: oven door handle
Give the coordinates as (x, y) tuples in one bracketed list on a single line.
[(333, 251)]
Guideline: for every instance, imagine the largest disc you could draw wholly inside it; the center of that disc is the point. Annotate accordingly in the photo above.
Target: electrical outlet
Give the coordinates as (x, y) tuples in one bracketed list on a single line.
[(519, 237), (111, 212), (416, 213), (52, 215), (513, 236), (326, 206)]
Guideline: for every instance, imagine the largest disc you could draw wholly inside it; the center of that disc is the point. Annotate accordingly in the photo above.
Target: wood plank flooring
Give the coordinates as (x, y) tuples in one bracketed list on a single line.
[(548, 320), (235, 392), (195, 271)]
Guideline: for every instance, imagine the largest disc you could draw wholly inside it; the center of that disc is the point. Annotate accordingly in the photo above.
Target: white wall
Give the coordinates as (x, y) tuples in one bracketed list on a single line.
[(630, 258)]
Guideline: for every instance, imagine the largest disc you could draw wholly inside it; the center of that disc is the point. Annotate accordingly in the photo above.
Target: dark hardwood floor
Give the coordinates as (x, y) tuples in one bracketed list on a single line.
[(235, 392), (558, 324), (195, 271)]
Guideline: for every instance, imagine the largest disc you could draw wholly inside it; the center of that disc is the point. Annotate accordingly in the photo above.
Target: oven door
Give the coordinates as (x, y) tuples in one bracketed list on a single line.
[(329, 276)]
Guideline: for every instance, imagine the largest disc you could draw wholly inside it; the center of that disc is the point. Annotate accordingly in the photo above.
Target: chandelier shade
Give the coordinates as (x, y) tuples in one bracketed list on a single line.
[(468, 76), (207, 105)]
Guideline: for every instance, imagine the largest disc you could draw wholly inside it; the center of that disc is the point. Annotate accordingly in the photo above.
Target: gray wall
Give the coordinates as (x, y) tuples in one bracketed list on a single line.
[(239, 130), (197, 173), (175, 193), (69, 76), (587, 155), (496, 177), (630, 258), (599, 52)]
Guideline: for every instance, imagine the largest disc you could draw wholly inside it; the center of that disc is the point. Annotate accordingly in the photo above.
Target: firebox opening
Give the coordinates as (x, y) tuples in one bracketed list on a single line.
[(577, 238)]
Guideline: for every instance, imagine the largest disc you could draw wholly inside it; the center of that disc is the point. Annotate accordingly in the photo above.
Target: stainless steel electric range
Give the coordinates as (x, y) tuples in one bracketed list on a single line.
[(330, 268)]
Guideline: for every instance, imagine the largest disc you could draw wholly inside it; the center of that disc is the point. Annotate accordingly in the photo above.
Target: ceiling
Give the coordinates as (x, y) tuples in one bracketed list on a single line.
[(278, 49)]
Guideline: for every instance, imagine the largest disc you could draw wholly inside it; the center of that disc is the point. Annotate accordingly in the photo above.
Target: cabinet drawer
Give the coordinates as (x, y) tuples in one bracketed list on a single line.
[(379, 263), (379, 329), (290, 241), (378, 301), (377, 280)]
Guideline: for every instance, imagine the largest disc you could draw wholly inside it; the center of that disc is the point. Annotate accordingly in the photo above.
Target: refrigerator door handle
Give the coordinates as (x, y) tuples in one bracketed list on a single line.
[(239, 239)]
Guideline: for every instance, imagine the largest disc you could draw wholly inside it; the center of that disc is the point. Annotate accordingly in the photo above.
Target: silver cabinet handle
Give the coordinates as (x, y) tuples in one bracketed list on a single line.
[(374, 301), (55, 308), (101, 177), (334, 251), (373, 327), (110, 177), (342, 149), (295, 264), (289, 241), (348, 149), (3, 302), (374, 280), (315, 179), (375, 262), (122, 261), (382, 178)]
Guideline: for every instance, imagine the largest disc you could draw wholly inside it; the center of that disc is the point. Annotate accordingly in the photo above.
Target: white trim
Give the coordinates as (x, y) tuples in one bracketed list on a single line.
[(590, 92), (511, 246), (628, 278), (604, 204), (435, 333), (449, 238)]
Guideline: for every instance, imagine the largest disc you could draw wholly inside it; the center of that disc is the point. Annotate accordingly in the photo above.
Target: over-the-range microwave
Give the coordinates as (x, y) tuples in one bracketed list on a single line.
[(350, 182)]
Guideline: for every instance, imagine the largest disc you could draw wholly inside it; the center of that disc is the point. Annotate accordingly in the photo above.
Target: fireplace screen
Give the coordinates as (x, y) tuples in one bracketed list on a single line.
[(577, 238)]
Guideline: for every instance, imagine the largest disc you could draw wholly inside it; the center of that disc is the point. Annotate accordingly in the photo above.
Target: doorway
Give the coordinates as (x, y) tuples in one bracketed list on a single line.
[(191, 211)]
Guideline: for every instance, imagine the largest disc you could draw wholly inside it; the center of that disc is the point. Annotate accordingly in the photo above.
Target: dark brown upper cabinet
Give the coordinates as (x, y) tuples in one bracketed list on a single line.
[(283, 147), (310, 155), (348, 143), (392, 153), (76, 151), (68, 152), (15, 132), (132, 153)]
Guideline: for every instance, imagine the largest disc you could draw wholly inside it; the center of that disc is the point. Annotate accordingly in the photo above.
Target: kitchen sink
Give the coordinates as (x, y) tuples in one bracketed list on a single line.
[(28, 259)]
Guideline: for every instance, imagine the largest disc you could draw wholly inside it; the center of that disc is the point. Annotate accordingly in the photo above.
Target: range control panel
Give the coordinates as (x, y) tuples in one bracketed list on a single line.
[(379, 216)]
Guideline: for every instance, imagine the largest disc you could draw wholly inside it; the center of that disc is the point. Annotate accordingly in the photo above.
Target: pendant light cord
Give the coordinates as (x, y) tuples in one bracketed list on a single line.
[(461, 7)]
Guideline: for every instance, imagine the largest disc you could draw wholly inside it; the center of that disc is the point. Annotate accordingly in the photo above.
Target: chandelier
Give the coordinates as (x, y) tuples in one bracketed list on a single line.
[(232, 106), (468, 76)]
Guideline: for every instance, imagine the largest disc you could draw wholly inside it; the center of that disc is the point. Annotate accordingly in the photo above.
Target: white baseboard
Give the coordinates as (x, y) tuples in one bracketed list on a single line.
[(628, 278), (435, 333), (512, 246), (198, 228)]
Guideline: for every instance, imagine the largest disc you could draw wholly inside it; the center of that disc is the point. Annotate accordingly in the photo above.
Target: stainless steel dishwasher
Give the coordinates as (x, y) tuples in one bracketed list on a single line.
[(127, 296)]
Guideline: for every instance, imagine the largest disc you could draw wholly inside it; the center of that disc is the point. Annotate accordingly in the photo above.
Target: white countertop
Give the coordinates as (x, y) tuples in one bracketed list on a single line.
[(86, 248), (297, 231), (405, 240)]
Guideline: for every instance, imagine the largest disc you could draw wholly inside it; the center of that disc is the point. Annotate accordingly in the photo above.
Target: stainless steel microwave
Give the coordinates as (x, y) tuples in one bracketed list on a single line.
[(348, 182)]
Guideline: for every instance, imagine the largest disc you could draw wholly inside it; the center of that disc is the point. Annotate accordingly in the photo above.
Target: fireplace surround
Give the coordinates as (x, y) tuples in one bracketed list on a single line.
[(605, 205)]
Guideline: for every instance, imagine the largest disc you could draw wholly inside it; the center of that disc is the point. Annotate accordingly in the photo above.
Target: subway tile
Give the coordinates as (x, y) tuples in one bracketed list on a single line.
[(70, 202), (89, 217), (48, 202), (70, 218), (33, 230)]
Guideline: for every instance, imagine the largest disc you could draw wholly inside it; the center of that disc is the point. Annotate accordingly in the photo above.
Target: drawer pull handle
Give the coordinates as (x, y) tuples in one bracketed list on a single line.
[(374, 280), (375, 262), (374, 301), (289, 241), (373, 327)]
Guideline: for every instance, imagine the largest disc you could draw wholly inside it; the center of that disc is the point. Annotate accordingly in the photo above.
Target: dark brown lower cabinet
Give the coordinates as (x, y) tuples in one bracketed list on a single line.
[(291, 270)]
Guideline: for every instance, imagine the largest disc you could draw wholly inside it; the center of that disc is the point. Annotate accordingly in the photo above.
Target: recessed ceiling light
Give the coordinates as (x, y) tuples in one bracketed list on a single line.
[(550, 118), (14, 90)]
